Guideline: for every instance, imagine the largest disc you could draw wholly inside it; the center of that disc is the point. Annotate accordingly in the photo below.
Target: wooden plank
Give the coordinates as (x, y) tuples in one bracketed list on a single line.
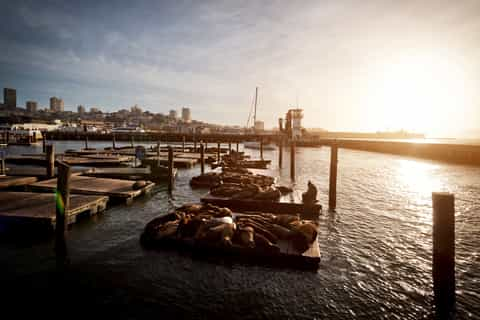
[(115, 188), (10, 181), (28, 206), (240, 205)]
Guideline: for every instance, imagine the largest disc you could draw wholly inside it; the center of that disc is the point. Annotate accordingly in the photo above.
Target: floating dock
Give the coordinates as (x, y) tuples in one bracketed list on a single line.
[(177, 162), (155, 174), (19, 209), (117, 190), (241, 205), (39, 160), (12, 181)]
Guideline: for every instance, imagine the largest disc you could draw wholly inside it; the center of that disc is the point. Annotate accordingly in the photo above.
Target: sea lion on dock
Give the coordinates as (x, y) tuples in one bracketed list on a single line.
[(310, 197), (262, 243), (286, 219), (245, 236)]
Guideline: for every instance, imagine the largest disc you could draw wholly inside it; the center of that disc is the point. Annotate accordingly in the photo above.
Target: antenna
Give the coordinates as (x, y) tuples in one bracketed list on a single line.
[(255, 112)]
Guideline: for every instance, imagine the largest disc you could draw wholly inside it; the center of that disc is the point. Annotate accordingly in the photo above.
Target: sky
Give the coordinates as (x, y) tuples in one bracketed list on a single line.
[(351, 65)]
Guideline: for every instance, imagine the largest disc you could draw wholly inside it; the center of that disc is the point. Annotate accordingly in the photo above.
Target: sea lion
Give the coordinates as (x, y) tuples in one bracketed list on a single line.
[(262, 243), (280, 231), (286, 219), (310, 197), (139, 185), (244, 236), (284, 190)]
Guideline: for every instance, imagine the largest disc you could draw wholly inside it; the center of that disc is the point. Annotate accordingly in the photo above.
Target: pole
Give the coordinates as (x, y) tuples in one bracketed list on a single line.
[(50, 159), (261, 149), (443, 268), (170, 169), (2, 163), (113, 142), (44, 141), (202, 159), (194, 144), (183, 144), (63, 205), (280, 152), (237, 146), (255, 110), (158, 154), (218, 152), (86, 142), (229, 147), (292, 160), (131, 140), (332, 194)]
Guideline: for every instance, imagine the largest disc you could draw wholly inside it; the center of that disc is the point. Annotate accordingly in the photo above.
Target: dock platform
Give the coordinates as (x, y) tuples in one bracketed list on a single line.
[(12, 181), (177, 162), (241, 205), (116, 189), (19, 209)]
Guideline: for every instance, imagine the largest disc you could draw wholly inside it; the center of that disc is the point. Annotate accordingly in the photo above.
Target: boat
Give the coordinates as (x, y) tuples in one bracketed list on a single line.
[(256, 128)]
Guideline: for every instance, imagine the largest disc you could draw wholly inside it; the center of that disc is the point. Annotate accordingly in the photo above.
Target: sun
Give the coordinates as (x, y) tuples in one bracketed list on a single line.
[(416, 93)]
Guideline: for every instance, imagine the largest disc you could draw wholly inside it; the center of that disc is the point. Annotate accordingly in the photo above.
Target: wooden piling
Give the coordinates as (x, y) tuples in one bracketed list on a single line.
[(2, 168), (86, 142), (237, 146), (332, 194), (113, 142), (202, 159), (443, 267), (44, 141), (183, 144), (8, 137), (50, 157), (229, 147), (261, 149), (218, 153), (280, 153), (62, 196), (170, 169), (292, 160), (194, 145), (131, 141), (158, 154)]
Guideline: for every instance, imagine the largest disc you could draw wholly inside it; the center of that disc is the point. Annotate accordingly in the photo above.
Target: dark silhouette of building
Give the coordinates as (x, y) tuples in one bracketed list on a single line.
[(10, 98), (31, 106), (56, 104)]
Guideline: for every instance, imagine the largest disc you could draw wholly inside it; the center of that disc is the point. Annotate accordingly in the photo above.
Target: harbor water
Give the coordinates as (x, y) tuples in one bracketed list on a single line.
[(376, 251)]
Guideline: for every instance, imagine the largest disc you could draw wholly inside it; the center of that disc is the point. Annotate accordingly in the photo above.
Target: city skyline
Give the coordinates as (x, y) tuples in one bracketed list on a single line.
[(350, 66)]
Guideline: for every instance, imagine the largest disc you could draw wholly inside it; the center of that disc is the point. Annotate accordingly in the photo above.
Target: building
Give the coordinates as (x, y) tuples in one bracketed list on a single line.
[(136, 110), (81, 110), (95, 110), (172, 114), (293, 124), (56, 104), (10, 98), (31, 106), (186, 115), (259, 126)]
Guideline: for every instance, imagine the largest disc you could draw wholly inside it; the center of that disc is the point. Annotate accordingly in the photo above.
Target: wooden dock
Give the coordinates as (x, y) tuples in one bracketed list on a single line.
[(117, 190), (19, 209), (177, 162), (240, 205), (39, 160), (155, 174), (12, 181)]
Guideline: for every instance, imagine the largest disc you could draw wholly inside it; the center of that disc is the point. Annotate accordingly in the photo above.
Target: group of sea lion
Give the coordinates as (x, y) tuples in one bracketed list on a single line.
[(214, 179), (212, 225), (250, 191)]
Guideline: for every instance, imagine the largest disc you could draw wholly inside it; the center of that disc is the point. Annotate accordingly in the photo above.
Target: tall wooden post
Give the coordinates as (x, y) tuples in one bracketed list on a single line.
[(183, 144), (218, 152), (332, 193), (261, 149), (280, 153), (113, 142), (50, 160), (170, 169), (237, 146), (206, 146), (229, 147), (44, 141), (194, 144), (158, 154), (86, 141), (443, 267), (8, 137), (2, 164), (62, 196), (202, 159), (131, 141), (292, 160)]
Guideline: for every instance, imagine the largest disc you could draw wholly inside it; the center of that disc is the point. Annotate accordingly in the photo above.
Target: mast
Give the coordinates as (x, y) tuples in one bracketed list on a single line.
[(255, 110)]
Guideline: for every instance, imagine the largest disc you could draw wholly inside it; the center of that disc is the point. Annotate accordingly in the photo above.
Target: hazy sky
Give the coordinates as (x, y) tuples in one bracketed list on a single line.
[(354, 65)]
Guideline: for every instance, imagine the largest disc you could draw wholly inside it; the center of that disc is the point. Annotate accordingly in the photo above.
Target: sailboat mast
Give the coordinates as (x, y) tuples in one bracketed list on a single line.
[(255, 110)]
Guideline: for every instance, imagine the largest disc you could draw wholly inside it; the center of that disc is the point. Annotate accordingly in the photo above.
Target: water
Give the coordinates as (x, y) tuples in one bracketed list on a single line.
[(376, 251)]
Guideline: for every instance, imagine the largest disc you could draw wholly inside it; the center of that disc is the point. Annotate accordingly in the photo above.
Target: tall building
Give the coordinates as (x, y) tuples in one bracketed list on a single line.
[(56, 104), (81, 109), (31, 106), (186, 115), (172, 114), (10, 98)]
